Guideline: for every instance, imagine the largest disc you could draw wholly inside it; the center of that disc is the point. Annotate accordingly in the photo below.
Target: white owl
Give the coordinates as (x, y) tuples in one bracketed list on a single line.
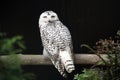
[(57, 42)]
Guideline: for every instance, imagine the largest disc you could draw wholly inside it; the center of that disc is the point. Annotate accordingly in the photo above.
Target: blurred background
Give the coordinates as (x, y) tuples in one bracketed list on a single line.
[(87, 20)]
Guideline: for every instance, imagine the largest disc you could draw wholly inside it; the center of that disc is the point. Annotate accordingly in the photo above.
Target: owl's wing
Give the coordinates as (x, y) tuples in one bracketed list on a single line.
[(52, 51), (65, 33), (66, 54)]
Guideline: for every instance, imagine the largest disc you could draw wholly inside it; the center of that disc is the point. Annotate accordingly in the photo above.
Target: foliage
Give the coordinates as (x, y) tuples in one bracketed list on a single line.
[(88, 74), (111, 47), (12, 45), (10, 68)]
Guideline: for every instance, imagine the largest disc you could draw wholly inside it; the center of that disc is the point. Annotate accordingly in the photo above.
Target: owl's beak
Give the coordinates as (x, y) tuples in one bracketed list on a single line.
[(50, 21)]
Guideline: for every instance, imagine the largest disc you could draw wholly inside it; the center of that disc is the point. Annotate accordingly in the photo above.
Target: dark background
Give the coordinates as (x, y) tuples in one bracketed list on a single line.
[(87, 20)]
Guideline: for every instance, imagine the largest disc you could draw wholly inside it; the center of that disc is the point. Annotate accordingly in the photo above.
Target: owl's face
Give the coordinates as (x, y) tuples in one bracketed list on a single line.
[(48, 17)]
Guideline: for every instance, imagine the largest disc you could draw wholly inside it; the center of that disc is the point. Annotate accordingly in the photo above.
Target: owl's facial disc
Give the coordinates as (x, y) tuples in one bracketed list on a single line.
[(49, 17)]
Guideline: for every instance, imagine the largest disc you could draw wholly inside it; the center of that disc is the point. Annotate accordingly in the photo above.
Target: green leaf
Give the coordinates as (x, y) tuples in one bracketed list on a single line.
[(10, 68), (118, 32), (21, 45), (88, 74)]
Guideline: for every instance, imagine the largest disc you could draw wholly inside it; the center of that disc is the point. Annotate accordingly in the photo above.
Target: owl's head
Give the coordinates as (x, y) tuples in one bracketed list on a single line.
[(48, 17)]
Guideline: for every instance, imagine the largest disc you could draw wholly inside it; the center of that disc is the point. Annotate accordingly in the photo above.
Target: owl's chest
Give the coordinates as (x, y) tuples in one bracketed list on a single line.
[(52, 32)]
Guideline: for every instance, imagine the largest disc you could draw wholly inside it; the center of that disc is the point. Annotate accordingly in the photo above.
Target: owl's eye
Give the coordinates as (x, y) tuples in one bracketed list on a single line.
[(52, 16), (44, 16)]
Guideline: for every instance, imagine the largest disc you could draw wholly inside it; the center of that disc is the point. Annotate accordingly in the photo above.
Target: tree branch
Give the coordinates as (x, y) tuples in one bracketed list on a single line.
[(41, 60)]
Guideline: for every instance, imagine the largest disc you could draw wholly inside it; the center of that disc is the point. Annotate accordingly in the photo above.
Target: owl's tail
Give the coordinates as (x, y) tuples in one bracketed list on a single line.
[(61, 69), (67, 60)]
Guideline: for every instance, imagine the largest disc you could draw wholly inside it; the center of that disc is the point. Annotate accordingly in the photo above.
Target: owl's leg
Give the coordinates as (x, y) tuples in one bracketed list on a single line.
[(45, 53)]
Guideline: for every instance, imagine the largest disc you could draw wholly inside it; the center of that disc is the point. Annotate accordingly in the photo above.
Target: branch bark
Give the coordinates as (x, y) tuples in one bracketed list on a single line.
[(42, 60)]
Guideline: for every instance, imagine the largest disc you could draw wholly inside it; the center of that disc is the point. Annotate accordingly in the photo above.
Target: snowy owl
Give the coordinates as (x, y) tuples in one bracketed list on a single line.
[(57, 42)]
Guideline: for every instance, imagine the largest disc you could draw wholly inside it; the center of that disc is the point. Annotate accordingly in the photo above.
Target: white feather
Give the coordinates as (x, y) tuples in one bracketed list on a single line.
[(67, 60)]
